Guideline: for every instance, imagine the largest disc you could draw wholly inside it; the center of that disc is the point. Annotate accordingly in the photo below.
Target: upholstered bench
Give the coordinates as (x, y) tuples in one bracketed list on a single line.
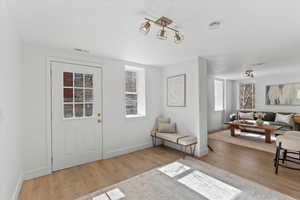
[(164, 130), (184, 141)]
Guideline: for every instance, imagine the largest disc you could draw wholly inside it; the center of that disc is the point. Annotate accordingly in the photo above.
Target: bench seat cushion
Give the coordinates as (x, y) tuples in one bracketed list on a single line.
[(169, 136), (189, 140), (181, 139)]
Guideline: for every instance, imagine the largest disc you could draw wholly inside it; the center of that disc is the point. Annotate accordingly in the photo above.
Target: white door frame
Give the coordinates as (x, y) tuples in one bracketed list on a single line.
[(49, 102)]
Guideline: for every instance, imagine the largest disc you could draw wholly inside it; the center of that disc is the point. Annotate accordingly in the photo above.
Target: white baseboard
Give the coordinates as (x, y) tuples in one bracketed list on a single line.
[(122, 151), (18, 188), (37, 173), (45, 170)]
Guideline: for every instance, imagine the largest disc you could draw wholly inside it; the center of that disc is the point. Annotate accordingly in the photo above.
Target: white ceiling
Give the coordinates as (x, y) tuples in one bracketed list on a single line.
[(252, 31)]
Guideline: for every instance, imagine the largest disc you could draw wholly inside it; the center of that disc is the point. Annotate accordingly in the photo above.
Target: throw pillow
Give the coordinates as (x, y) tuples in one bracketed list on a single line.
[(163, 120), (160, 120), (247, 115), (259, 115), (167, 127), (269, 116), (283, 118)]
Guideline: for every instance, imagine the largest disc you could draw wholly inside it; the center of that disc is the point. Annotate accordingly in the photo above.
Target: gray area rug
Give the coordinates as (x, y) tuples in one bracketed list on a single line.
[(250, 140), (196, 180)]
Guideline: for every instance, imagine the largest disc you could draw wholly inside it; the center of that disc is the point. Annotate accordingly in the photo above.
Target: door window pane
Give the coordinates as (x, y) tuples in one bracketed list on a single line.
[(68, 110), (68, 94), (88, 80), (78, 95), (89, 110), (68, 79), (78, 80), (78, 110), (131, 104), (89, 95)]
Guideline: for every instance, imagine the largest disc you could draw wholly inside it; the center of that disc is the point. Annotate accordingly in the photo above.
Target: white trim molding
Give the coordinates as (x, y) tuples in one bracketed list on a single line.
[(43, 171), (15, 195), (123, 151)]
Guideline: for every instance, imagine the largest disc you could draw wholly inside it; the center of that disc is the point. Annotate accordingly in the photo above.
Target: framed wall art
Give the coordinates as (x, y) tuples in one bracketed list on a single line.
[(283, 94), (176, 91)]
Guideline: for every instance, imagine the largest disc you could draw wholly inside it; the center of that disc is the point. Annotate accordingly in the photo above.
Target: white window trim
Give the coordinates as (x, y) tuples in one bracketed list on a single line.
[(223, 101), (141, 98)]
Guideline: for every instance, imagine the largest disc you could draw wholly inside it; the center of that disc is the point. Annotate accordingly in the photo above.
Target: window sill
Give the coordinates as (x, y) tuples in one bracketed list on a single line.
[(135, 116), (219, 110)]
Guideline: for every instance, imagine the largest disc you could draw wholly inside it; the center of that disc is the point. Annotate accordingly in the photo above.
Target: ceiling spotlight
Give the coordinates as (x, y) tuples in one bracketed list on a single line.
[(178, 37), (162, 34), (145, 27), (163, 22)]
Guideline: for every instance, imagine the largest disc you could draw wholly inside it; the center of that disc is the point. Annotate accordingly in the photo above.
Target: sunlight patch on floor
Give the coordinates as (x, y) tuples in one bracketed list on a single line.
[(209, 187), (174, 169)]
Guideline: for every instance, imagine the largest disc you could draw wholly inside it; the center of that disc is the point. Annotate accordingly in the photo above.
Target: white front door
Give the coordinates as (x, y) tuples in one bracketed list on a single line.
[(76, 114)]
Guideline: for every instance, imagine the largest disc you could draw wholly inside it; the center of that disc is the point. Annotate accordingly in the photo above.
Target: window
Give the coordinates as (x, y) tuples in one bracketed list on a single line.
[(135, 91), (219, 95), (247, 96), (78, 95)]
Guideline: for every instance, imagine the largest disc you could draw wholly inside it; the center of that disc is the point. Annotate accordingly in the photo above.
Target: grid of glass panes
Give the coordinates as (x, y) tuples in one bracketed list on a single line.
[(131, 93), (78, 95)]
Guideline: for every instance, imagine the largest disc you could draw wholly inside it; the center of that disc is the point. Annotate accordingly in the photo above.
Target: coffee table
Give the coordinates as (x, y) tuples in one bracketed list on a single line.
[(268, 129)]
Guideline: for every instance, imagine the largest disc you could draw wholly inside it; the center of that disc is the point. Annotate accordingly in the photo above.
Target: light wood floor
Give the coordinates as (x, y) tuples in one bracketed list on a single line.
[(77, 181)]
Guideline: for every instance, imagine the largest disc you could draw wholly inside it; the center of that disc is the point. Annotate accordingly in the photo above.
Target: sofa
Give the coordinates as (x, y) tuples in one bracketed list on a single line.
[(269, 118)]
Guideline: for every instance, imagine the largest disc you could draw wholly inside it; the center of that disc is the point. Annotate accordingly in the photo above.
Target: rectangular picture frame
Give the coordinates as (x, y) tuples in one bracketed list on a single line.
[(283, 94), (176, 91)]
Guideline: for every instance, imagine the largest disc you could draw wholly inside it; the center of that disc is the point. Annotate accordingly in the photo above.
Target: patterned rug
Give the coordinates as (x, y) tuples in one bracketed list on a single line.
[(186, 179), (250, 140)]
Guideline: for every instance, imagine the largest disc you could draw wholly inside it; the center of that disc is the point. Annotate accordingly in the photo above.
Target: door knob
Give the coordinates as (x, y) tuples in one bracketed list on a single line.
[(99, 121)]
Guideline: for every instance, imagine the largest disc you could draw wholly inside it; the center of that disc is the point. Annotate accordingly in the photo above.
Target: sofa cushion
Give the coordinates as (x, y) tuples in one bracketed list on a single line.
[(167, 127), (283, 124)]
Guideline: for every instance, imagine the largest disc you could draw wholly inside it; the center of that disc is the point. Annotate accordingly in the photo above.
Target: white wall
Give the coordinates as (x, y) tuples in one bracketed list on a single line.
[(10, 107), (120, 135), (260, 87), (187, 118)]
